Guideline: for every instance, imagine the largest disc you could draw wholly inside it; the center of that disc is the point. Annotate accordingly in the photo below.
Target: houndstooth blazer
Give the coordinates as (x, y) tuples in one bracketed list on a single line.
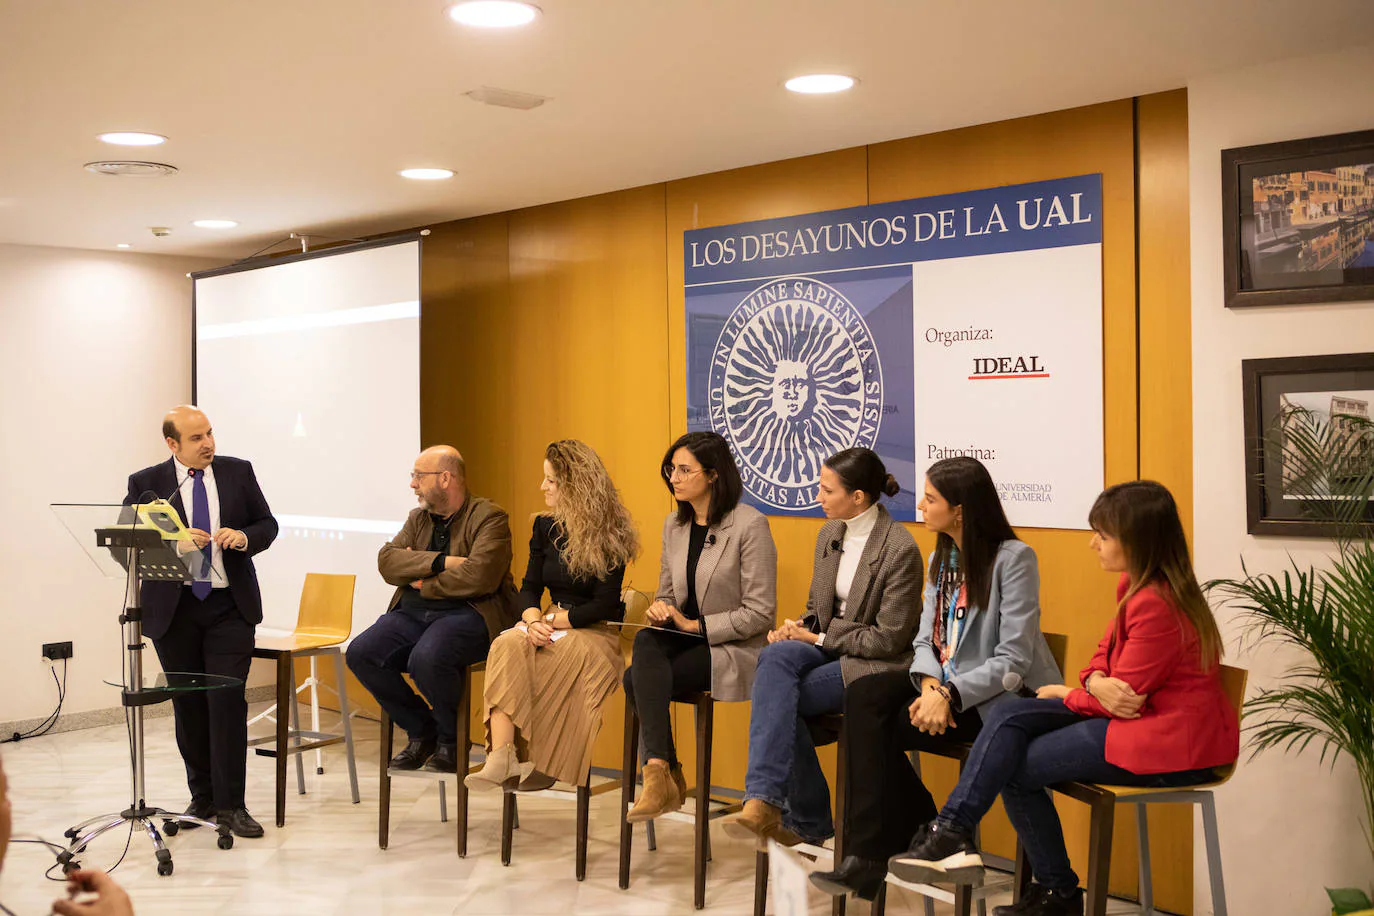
[(884, 603)]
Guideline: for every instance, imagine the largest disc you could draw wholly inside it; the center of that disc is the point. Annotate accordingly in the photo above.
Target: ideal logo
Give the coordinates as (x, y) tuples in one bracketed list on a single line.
[(994, 367), (795, 377)]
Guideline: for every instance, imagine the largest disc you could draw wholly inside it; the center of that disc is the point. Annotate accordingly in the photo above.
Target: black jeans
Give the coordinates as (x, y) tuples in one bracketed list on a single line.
[(665, 665), (211, 636), (887, 800), (434, 647)]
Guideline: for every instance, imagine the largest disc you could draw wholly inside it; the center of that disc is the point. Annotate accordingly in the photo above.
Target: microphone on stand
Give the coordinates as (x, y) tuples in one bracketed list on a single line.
[(1014, 683)]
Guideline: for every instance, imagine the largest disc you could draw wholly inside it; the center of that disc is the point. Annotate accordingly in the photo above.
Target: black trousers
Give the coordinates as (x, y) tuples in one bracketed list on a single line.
[(211, 637), (887, 800), (666, 664)]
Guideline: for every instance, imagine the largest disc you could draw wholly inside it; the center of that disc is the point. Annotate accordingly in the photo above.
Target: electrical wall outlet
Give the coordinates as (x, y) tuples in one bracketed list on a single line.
[(57, 650)]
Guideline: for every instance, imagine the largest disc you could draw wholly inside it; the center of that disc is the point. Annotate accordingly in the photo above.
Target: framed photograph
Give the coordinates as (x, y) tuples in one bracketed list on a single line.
[(1298, 221), (1309, 445)]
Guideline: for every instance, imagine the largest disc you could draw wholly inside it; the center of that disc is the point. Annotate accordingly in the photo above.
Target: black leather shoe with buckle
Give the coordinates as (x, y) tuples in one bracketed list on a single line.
[(415, 754)]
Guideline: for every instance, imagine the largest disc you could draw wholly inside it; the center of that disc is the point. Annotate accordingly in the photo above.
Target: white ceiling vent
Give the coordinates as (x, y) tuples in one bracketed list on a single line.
[(129, 169), (506, 98)]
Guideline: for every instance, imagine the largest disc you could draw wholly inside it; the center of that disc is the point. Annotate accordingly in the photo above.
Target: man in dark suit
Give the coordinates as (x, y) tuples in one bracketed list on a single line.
[(206, 626), (454, 595)]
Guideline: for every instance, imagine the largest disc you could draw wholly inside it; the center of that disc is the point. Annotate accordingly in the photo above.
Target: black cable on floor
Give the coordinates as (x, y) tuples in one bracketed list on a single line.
[(47, 724)]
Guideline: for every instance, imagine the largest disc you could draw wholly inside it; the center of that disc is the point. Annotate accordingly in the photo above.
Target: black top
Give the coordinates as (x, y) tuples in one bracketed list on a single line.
[(439, 539), (589, 600), (695, 541)]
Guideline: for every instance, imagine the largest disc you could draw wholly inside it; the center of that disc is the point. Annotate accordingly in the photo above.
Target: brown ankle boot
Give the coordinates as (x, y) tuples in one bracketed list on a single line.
[(760, 821), (675, 771), (660, 795)]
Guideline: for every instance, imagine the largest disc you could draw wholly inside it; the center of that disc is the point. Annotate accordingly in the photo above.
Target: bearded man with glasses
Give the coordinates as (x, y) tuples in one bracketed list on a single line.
[(454, 594)]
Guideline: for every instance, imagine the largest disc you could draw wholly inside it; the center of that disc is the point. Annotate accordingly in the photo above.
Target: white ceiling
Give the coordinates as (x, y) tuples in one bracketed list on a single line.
[(296, 114)]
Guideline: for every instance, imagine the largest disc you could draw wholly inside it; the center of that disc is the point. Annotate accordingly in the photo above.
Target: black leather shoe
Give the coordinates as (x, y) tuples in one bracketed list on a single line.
[(1041, 901), (445, 759), (414, 755), (241, 823), (861, 877), (202, 808)]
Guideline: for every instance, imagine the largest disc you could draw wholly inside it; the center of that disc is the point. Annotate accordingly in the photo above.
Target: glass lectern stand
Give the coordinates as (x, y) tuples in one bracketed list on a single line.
[(141, 544)]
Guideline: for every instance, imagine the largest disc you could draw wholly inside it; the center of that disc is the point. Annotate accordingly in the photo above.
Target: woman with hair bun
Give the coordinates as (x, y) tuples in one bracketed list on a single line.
[(980, 622), (860, 618)]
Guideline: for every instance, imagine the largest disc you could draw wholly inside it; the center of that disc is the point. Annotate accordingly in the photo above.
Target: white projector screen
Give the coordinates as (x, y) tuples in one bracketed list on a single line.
[(310, 369)]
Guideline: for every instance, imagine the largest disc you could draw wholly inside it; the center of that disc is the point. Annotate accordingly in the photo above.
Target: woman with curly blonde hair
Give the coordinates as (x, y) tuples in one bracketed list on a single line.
[(548, 676)]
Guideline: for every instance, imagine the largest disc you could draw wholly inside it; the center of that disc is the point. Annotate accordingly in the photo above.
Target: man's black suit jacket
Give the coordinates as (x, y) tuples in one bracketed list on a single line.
[(241, 506)]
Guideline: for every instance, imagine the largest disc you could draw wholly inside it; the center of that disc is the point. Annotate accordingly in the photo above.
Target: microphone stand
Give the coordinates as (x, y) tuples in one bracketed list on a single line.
[(134, 697)]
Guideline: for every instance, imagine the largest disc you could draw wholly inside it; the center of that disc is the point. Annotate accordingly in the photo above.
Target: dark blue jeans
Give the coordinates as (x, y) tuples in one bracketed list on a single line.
[(433, 647), (1025, 746), (794, 681)]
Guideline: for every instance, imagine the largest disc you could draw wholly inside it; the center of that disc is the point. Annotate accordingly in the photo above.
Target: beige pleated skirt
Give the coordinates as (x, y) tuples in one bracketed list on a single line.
[(554, 695)]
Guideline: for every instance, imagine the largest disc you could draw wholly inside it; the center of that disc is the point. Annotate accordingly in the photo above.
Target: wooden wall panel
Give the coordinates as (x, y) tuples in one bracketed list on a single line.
[(805, 185), (568, 320)]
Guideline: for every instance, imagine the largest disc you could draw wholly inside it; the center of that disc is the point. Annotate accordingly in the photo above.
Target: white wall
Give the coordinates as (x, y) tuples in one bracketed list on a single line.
[(94, 348), (1289, 825)]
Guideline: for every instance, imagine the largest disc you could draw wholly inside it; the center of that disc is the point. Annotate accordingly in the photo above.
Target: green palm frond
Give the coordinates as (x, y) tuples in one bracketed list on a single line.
[(1325, 703)]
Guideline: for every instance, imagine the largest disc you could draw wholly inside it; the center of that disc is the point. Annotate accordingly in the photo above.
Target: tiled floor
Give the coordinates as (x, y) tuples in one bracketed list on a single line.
[(326, 861)]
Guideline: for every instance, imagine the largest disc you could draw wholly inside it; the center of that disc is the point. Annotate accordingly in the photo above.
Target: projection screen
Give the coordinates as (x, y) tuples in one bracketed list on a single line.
[(309, 368)]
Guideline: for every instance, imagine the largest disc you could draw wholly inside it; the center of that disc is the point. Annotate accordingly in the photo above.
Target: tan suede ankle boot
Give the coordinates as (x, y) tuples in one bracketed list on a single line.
[(759, 821), (502, 767), (660, 795)]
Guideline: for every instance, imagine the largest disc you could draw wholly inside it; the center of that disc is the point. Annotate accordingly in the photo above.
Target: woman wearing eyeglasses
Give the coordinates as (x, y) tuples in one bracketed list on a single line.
[(548, 677), (716, 600)]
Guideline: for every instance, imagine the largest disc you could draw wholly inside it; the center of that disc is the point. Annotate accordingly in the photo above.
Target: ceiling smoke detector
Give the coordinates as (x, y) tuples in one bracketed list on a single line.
[(506, 98), (130, 169)]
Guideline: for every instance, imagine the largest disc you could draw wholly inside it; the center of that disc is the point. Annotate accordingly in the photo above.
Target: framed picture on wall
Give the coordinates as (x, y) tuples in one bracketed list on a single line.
[(1298, 221), (1309, 444)]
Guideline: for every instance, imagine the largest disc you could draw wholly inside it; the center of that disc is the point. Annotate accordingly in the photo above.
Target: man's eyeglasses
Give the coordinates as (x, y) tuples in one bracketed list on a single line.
[(416, 475)]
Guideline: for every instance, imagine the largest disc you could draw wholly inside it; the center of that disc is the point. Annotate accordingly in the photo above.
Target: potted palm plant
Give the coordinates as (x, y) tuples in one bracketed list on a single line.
[(1325, 704)]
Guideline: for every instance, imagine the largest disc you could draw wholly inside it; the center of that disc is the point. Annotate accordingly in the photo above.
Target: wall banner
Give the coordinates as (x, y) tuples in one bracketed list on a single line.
[(963, 324)]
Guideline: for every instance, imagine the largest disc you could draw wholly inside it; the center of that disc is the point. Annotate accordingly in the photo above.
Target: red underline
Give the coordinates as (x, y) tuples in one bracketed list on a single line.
[(978, 378)]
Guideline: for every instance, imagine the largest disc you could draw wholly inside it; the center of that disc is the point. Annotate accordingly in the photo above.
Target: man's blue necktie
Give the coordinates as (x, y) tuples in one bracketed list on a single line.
[(200, 518)]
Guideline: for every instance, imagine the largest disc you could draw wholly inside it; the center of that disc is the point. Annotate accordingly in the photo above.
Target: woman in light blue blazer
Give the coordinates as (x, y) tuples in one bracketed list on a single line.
[(980, 621)]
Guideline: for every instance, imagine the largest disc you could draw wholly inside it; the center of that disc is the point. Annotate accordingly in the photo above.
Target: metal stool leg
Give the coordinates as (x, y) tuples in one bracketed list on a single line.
[(584, 800), (296, 735), (347, 723), (1213, 840)]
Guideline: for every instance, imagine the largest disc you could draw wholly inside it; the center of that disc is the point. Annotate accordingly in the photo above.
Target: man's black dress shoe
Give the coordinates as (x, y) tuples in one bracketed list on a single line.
[(202, 808), (241, 823), (861, 877), (445, 759), (414, 755)]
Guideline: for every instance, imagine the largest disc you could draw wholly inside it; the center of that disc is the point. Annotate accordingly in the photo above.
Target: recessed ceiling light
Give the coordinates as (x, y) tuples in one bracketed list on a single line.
[(493, 14), (215, 223), (132, 138), (820, 83), (122, 245), (426, 174)]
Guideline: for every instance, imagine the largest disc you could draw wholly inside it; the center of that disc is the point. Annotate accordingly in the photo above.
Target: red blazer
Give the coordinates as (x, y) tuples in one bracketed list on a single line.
[(1187, 722)]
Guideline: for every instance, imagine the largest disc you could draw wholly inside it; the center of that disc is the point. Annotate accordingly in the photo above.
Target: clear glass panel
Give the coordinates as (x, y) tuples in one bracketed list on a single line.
[(107, 532)]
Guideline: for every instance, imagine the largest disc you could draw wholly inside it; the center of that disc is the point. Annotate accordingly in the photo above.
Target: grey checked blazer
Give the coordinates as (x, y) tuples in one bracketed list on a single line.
[(1005, 636), (737, 593), (882, 610)]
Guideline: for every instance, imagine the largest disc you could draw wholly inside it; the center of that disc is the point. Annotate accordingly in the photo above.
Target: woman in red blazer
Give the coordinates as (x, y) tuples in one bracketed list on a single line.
[(1151, 711)]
